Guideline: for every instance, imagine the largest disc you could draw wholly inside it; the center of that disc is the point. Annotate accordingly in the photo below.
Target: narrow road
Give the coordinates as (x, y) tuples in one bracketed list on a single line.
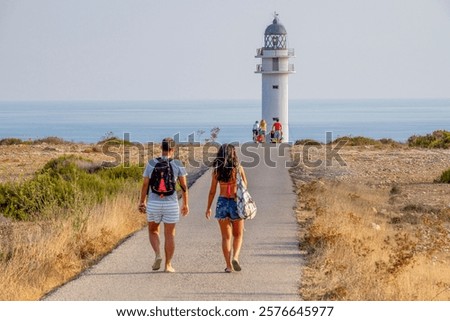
[(270, 257)]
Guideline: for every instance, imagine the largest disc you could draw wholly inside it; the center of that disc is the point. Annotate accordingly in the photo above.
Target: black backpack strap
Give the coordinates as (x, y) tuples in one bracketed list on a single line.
[(176, 178)]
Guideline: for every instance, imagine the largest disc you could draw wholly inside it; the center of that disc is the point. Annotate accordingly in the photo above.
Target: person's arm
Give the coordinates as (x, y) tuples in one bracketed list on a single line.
[(212, 193), (185, 195), (144, 190)]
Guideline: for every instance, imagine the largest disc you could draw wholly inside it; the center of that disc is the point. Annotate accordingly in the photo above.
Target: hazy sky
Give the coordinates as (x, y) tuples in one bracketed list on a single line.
[(204, 49)]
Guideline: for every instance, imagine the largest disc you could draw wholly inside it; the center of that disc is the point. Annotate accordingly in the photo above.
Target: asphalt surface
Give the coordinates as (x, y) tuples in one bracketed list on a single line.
[(270, 257)]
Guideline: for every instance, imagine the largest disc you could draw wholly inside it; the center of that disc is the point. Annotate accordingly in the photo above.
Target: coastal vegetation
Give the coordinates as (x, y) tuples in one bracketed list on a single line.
[(353, 141), (310, 142), (376, 229), (64, 183), (109, 138), (61, 220), (445, 177), (37, 256), (48, 140), (65, 206), (356, 253), (438, 139), (365, 141)]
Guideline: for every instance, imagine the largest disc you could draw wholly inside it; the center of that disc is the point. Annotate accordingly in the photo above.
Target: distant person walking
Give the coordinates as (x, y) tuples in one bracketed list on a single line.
[(262, 131), (225, 167), (277, 129), (255, 131), (159, 200)]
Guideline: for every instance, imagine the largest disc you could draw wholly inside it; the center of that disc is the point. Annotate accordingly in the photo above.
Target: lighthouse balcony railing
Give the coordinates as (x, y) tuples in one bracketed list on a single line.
[(260, 69), (262, 52)]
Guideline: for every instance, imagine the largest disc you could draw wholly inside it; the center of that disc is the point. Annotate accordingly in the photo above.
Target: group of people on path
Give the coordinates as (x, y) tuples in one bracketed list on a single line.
[(260, 131), (159, 201)]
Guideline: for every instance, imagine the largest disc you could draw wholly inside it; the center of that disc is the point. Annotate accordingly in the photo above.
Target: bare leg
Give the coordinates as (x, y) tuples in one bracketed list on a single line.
[(238, 233), (225, 230), (169, 245), (153, 233)]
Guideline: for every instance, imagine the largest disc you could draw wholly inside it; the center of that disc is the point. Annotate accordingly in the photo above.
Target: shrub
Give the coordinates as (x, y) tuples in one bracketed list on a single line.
[(366, 141), (389, 141), (51, 140), (445, 177), (48, 140), (11, 141), (310, 142), (438, 139), (357, 141), (64, 182), (114, 141)]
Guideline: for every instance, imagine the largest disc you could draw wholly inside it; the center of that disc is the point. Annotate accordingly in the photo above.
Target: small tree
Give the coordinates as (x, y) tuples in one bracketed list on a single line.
[(214, 133)]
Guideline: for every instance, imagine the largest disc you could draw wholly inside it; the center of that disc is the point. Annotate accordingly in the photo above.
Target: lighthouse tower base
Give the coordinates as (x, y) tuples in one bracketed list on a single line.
[(275, 102)]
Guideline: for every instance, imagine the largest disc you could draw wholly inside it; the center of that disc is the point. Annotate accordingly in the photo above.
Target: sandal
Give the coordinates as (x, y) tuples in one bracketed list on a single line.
[(157, 264), (227, 270), (236, 265)]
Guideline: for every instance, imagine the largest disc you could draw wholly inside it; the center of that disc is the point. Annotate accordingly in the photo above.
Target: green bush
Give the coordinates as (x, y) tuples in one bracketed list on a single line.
[(310, 142), (64, 182), (445, 177), (112, 140), (11, 141), (366, 141), (389, 141), (51, 140), (357, 141), (438, 139)]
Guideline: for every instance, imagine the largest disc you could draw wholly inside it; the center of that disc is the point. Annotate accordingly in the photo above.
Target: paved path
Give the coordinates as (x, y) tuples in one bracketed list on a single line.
[(270, 258)]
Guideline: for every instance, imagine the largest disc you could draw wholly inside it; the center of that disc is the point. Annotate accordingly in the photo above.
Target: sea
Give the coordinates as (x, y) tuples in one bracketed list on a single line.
[(230, 120)]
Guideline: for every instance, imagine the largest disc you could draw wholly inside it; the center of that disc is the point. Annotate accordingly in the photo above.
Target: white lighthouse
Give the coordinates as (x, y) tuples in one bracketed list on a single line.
[(275, 69)]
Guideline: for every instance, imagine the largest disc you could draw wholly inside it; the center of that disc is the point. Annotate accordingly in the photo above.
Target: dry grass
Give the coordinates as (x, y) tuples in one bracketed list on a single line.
[(37, 256), (355, 252), (44, 255)]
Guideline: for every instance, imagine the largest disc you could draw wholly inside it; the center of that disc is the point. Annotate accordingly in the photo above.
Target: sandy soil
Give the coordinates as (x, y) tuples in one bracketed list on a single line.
[(407, 174)]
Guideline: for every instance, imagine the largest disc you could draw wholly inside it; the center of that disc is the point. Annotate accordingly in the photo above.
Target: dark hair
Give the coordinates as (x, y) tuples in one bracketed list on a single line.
[(225, 163), (167, 144)]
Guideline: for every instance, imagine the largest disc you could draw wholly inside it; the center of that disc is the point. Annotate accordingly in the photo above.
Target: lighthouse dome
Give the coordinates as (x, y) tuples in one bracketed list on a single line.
[(275, 35), (275, 28)]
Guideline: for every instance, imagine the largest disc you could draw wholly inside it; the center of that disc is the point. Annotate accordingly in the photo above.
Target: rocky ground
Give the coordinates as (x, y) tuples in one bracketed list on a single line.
[(403, 177), (19, 162), (383, 205), (407, 174)]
